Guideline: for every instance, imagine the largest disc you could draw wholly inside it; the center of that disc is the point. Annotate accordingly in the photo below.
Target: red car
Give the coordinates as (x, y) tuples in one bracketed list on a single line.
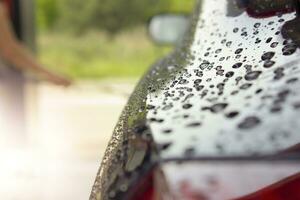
[(219, 118)]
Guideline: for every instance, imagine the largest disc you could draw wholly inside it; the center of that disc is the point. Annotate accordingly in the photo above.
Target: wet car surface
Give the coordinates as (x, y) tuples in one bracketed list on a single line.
[(228, 93)]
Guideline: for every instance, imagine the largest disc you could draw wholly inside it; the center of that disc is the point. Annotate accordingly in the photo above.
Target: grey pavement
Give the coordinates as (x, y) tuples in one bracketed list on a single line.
[(69, 129)]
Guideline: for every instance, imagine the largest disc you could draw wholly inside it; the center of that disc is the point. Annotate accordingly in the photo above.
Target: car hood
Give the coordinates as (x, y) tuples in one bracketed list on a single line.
[(236, 95), (230, 89)]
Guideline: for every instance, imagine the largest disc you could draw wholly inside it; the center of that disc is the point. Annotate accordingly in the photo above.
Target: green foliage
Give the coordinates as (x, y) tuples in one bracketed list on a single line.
[(95, 55), (47, 12), (181, 5), (112, 16), (116, 15)]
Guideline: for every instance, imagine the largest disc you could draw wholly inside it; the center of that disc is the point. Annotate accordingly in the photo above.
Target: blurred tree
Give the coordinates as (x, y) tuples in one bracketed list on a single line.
[(117, 15), (47, 12), (109, 15), (180, 5)]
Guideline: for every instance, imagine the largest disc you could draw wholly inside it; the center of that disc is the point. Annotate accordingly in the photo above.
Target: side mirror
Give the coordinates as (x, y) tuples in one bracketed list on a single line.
[(168, 28)]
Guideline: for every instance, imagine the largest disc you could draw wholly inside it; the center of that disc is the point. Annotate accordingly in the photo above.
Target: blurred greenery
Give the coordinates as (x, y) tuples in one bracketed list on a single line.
[(100, 38), (95, 55)]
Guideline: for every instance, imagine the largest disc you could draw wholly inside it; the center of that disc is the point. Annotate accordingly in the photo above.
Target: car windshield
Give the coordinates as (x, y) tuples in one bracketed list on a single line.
[(237, 93)]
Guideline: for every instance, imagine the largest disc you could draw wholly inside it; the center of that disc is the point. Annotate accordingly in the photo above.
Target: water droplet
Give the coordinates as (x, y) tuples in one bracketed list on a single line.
[(189, 152), (183, 81), (156, 120), (267, 55), (257, 41), (238, 51), (245, 86), (167, 107), (124, 187), (205, 64), (218, 50), (237, 65), (167, 131), (193, 124), (187, 106), (248, 68), (199, 87), (292, 80), (219, 107), (296, 105), (269, 40), (229, 74), (197, 81), (268, 63), (223, 41), (244, 34), (164, 146), (258, 91), (279, 70), (250, 76), (289, 49), (199, 74), (257, 25), (249, 123), (275, 109), (238, 79), (274, 44), (228, 44), (232, 114)]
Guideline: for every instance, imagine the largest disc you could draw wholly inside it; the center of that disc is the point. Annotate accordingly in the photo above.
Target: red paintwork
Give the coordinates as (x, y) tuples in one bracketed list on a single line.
[(287, 189), (253, 13), (190, 194), (145, 189)]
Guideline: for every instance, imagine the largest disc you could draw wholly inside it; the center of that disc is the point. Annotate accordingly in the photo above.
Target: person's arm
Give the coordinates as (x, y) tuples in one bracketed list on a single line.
[(13, 52)]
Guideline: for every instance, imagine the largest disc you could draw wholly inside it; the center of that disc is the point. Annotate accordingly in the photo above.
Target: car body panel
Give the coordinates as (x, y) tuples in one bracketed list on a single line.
[(215, 180), (239, 93), (230, 89)]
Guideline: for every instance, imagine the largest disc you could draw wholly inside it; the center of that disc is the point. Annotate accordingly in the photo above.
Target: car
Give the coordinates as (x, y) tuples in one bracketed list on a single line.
[(219, 117)]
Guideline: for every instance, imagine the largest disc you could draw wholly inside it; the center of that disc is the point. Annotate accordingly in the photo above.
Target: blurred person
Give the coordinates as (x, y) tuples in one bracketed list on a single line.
[(13, 52)]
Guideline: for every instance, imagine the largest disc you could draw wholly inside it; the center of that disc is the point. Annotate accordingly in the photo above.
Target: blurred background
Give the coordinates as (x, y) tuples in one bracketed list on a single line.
[(103, 45), (101, 38)]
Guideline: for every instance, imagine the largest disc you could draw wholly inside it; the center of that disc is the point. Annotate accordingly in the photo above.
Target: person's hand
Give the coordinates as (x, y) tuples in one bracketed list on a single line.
[(57, 79)]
